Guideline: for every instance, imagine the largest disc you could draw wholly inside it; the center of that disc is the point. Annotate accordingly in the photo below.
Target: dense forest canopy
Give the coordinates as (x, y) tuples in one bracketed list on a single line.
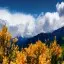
[(38, 53)]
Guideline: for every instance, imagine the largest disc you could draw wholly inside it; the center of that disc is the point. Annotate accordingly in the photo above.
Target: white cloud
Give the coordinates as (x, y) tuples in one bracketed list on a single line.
[(27, 25), (60, 8), (49, 22), (18, 22)]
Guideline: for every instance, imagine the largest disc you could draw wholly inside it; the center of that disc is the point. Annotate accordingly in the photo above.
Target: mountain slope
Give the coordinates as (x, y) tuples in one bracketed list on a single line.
[(44, 37)]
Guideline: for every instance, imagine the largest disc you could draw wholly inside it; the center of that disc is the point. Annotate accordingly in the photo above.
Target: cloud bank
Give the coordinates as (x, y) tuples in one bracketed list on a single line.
[(27, 25)]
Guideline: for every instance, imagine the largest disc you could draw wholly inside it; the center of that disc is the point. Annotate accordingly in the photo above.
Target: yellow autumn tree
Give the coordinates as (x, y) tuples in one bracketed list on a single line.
[(4, 42), (7, 48), (38, 53)]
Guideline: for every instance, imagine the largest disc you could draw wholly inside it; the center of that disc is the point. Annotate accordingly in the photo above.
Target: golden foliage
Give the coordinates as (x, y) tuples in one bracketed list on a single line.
[(38, 53), (56, 49)]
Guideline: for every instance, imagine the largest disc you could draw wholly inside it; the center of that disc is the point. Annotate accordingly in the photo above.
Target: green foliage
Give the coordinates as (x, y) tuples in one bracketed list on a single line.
[(62, 38)]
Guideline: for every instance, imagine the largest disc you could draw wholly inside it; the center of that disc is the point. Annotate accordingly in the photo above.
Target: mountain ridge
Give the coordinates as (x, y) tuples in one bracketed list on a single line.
[(44, 37)]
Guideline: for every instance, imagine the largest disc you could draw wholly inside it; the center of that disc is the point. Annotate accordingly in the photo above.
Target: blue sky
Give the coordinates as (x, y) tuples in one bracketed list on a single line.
[(30, 6), (31, 17)]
